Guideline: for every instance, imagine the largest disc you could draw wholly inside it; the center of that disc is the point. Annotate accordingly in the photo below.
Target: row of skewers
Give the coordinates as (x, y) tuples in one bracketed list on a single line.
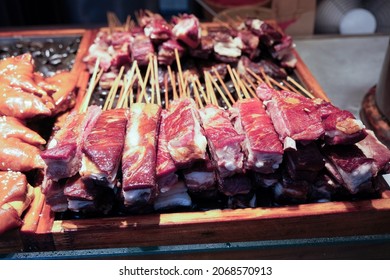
[(192, 143)]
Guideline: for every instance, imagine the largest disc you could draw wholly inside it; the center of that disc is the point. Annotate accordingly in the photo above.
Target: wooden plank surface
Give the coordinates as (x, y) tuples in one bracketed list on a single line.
[(302, 221)]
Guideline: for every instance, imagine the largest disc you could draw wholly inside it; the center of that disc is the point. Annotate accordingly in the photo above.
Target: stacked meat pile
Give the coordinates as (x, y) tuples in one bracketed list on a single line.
[(145, 158), (26, 97), (253, 41)]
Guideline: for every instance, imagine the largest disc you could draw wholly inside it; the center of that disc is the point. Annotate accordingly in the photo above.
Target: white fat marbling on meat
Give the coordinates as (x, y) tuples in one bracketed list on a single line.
[(357, 177), (232, 48)]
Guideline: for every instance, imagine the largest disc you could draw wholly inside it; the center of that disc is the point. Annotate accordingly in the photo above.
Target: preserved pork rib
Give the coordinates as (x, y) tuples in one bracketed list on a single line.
[(63, 154), (172, 192), (103, 147), (341, 127), (373, 148), (223, 140), (353, 167), (186, 143), (263, 150), (295, 117), (139, 156)]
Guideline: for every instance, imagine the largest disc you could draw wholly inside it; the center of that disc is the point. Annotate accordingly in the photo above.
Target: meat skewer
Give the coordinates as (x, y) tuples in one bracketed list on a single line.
[(139, 188)]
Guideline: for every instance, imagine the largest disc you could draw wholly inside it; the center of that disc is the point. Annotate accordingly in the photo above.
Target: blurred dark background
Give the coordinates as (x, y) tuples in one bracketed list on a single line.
[(17, 13)]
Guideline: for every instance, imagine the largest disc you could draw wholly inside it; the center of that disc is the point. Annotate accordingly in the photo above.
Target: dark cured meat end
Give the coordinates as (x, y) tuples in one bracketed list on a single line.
[(187, 30)]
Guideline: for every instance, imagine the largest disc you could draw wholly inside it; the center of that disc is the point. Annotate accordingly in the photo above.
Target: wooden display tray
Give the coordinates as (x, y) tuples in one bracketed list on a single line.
[(330, 219)]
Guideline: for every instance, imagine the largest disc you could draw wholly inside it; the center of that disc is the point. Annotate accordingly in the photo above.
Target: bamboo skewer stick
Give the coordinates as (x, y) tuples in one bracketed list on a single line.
[(92, 84), (290, 87), (166, 90), (114, 87), (173, 82), (276, 83), (196, 94), (257, 77), (225, 88), (145, 81), (219, 91), (241, 84), (157, 85), (181, 81), (250, 87), (200, 88), (265, 76), (237, 88), (300, 87), (129, 79)]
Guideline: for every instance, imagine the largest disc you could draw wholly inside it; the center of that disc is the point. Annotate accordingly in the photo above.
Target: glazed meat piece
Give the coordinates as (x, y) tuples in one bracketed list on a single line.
[(9, 219), (139, 155), (21, 105), (63, 85), (15, 196), (18, 72), (13, 186), (262, 147), (19, 156), (103, 147), (11, 127), (63, 153)]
